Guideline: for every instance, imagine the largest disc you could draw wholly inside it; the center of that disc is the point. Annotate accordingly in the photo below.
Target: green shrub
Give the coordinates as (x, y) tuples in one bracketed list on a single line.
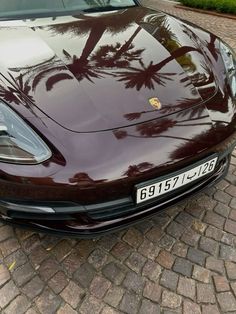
[(225, 6)]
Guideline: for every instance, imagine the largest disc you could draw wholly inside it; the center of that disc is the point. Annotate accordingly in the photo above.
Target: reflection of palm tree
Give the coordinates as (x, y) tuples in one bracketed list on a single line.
[(204, 79), (108, 56), (8, 95), (143, 77), (195, 114), (17, 91), (114, 23), (157, 129), (135, 170), (211, 45), (148, 76), (82, 179), (152, 128), (123, 134), (113, 56), (51, 68), (182, 104), (81, 68), (136, 115)]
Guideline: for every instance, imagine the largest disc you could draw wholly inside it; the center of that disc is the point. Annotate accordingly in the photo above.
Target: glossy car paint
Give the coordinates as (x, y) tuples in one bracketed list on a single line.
[(84, 82)]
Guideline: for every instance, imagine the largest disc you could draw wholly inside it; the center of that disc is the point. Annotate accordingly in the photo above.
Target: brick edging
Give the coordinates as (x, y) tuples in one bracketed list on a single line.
[(228, 16)]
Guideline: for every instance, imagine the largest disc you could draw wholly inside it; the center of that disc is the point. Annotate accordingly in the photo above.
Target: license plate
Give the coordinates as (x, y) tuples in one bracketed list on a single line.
[(158, 188)]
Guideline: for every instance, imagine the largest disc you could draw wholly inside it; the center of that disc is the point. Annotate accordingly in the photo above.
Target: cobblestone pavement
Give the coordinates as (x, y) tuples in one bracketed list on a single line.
[(182, 261)]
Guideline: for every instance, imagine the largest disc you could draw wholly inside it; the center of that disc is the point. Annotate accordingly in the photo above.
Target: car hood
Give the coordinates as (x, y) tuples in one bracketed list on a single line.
[(103, 71)]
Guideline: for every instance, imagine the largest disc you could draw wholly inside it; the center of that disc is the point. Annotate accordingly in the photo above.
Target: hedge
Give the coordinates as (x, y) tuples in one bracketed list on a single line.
[(225, 6)]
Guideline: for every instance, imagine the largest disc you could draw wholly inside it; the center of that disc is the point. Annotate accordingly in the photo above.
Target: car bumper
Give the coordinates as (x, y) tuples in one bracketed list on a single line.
[(71, 219)]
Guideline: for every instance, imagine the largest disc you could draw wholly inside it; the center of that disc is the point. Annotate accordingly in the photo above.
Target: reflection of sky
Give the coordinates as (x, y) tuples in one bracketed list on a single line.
[(20, 48)]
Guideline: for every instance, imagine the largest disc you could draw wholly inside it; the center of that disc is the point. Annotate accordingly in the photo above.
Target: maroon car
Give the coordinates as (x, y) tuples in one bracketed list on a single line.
[(109, 113)]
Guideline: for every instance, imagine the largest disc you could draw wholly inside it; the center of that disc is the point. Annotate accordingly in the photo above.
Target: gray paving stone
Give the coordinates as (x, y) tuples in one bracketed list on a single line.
[(205, 293), (196, 256), (187, 287), (152, 270), (7, 293), (33, 288), (227, 301), (136, 262), (171, 299), (183, 267), (191, 307), (90, 305), (152, 291), (208, 245), (4, 275), (19, 305), (84, 275), (23, 274), (133, 282), (48, 302), (130, 303), (73, 294), (169, 279), (227, 253), (149, 307), (114, 295)]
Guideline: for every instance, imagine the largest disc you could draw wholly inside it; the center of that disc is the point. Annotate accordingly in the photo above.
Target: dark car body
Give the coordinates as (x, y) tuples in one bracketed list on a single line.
[(83, 83)]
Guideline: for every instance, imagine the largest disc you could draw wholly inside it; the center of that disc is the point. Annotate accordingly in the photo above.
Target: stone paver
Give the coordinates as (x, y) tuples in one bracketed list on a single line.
[(182, 261)]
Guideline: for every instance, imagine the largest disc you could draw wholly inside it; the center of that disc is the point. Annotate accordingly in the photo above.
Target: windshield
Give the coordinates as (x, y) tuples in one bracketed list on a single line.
[(36, 7)]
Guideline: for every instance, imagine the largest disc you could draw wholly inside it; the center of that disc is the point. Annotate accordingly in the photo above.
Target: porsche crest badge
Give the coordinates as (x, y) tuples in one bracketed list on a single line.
[(155, 103)]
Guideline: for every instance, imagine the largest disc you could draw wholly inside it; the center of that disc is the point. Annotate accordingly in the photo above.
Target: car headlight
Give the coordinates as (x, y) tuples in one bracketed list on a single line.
[(19, 144), (229, 58)]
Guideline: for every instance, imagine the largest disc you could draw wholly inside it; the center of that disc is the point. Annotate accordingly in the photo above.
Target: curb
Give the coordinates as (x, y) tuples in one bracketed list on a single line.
[(228, 16)]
